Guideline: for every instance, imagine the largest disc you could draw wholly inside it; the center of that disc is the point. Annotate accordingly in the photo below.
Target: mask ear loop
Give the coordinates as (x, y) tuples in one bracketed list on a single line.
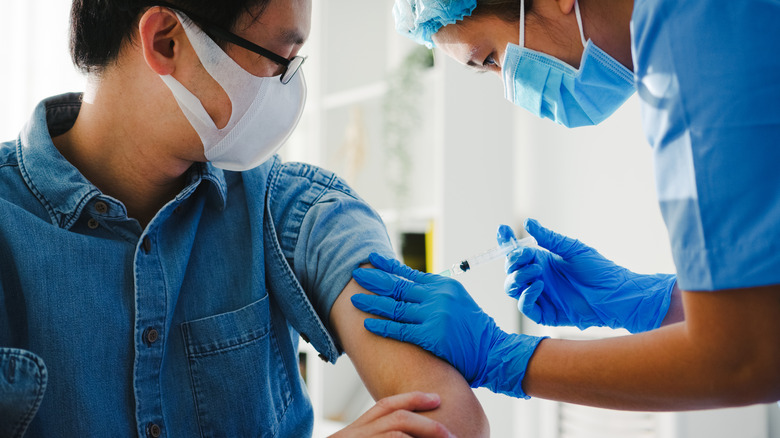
[(579, 22), (522, 24)]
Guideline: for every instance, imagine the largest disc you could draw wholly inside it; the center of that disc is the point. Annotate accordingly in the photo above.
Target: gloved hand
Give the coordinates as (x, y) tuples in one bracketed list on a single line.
[(573, 285), (437, 314)]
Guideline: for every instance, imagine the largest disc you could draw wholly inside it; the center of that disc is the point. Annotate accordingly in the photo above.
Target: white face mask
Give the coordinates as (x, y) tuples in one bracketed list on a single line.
[(264, 111)]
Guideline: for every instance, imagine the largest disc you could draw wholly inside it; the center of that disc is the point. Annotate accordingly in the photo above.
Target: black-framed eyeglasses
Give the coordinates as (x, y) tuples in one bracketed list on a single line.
[(291, 66)]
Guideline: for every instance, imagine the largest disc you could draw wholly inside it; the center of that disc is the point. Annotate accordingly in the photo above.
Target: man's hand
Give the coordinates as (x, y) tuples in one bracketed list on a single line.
[(395, 417)]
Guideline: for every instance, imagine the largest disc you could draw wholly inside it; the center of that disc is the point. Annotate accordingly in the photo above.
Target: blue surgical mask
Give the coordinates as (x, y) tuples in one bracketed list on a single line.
[(551, 88)]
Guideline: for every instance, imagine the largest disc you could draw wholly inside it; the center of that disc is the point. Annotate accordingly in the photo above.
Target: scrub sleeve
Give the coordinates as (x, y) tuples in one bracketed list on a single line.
[(707, 77)]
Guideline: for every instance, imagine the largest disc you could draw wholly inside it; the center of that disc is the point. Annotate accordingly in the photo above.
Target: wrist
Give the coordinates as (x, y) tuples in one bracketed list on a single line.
[(507, 363), (673, 310), (655, 305)]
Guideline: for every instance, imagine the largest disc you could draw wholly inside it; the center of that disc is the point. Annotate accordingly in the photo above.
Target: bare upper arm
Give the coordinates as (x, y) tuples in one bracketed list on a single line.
[(389, 367)]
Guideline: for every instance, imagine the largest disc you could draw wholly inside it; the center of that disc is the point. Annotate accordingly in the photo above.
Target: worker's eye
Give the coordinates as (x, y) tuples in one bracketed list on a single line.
[(489, 61)]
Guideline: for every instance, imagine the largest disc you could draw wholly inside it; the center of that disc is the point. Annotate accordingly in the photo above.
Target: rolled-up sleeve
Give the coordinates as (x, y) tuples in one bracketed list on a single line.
[(337, 235), (327, 232)]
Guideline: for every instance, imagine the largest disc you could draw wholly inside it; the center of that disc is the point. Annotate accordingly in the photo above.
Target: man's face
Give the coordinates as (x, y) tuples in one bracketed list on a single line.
[(282, 28)]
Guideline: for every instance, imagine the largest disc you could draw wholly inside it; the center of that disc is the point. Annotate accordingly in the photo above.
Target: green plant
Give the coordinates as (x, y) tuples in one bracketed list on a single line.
[(401, 109)]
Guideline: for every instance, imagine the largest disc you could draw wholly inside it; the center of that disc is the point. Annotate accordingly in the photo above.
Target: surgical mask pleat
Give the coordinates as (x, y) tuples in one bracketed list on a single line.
[(551, 88)]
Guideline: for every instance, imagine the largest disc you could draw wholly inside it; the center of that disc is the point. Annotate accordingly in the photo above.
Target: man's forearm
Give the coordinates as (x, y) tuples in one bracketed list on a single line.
[(389, 367), (725, 354)]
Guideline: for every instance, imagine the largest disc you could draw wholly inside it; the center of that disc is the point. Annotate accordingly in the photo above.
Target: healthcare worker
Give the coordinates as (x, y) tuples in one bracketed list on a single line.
[(707, 77)]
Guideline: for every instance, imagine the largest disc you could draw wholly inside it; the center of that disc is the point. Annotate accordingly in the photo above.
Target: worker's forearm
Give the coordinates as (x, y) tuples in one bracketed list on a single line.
[(724, 354), (650, 371)]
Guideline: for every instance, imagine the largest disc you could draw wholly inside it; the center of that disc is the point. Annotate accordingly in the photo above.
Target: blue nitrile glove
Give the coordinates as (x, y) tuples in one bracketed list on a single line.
[(437, 314), (573, 285)]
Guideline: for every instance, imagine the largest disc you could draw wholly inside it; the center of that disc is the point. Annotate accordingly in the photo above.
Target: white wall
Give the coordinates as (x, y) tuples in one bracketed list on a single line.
[(34, 59), (595, 184)]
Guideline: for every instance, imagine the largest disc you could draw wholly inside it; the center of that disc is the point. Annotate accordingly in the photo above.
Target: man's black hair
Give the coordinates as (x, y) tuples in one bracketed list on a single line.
[(99, 28)]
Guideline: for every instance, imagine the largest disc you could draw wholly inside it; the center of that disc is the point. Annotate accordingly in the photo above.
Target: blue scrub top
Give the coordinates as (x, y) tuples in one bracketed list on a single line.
[(708, 76)]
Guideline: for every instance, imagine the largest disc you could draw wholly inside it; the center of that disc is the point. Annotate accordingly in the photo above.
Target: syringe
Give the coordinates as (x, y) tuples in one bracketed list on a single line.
[(491, 254)]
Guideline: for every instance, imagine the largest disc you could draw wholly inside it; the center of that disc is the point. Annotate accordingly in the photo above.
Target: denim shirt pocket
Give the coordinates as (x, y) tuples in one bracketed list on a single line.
[(239, 381), (23, 379)]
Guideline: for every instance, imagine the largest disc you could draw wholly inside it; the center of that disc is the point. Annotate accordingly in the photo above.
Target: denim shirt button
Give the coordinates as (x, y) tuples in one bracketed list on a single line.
[(92, 223), (151, 335), (153, 430), (101, 207)]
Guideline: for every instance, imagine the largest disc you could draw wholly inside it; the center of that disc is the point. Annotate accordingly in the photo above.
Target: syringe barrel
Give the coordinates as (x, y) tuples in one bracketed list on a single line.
[(499, 251)]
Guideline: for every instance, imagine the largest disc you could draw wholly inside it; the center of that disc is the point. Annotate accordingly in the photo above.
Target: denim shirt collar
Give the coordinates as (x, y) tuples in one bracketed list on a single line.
[(60, 187)]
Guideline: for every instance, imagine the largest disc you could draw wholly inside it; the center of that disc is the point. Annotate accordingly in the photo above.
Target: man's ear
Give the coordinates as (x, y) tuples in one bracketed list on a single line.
[(161, 36), (566, 6)]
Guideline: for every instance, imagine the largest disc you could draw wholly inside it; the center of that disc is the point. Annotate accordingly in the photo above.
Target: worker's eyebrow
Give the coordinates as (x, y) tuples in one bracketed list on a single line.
[(291, 36)]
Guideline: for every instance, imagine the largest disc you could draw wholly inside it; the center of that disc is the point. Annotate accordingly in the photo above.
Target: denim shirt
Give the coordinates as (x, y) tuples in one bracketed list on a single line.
[(189, 327)]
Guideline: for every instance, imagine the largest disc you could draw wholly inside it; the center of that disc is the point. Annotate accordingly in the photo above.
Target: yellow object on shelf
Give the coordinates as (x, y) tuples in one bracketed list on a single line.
[(429, 258)]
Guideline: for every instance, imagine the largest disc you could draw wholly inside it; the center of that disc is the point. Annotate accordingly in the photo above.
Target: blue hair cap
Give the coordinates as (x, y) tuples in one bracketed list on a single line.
[(420, 19)]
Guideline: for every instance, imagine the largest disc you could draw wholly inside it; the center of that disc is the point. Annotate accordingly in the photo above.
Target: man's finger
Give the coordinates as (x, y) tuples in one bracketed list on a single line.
[(410, 401), (409, 423)]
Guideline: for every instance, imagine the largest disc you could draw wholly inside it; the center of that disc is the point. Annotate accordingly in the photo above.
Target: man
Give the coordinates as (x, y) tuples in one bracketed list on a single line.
[(157, 263)]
